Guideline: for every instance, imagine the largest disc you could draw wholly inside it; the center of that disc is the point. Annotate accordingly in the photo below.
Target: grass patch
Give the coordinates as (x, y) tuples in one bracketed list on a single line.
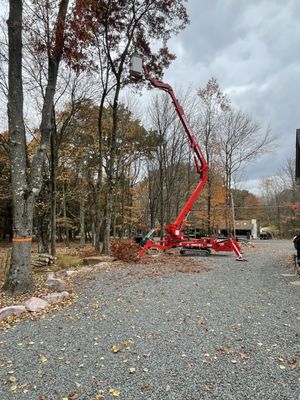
[(67, 261)]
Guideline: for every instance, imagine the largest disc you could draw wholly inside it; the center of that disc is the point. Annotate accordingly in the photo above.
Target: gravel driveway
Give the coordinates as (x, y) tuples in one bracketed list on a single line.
[(231, 332)]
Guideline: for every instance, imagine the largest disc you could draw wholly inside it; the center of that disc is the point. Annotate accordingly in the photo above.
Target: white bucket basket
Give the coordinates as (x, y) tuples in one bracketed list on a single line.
[(136, 66)]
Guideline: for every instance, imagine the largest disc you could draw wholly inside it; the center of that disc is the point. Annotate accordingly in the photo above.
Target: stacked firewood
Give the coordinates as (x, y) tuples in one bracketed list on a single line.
[(43, 260), (4, 264)]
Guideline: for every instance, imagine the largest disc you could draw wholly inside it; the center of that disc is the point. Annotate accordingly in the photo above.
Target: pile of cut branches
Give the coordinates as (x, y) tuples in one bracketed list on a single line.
[(125, 250)]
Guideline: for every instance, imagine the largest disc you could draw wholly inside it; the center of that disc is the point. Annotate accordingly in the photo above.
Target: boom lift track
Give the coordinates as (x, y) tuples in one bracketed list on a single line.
[(174, 236)]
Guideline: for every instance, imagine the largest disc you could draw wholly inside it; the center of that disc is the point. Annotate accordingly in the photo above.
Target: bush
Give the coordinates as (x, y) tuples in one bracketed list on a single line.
[(125, 249)]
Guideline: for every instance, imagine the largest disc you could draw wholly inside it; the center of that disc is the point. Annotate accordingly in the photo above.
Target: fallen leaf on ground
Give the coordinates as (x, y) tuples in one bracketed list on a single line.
[(147, 388), (43, 358), (243, 356), (294, 362), (115, 348), (114, 393), (132, 370), (206, 388), (225, 350), (13, 388), (73, 396)]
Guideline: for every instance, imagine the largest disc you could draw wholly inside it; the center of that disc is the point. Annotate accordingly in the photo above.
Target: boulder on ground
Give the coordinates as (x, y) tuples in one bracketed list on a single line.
[(35, 304), (63, 273), (57, 297), (86, 270), (56, 284), (102, 265), (11, 310), (97, 259)]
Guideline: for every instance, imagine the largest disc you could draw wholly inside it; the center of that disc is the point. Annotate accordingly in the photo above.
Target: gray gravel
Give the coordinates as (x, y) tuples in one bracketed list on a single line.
[(230, 333)]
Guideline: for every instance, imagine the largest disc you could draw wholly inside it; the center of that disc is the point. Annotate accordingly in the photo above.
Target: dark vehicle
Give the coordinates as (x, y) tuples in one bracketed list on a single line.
[(265, 236), (296, 241)]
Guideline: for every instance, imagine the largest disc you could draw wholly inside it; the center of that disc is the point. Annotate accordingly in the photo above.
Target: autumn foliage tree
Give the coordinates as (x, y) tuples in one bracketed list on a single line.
[(214, 104), (122, 27)]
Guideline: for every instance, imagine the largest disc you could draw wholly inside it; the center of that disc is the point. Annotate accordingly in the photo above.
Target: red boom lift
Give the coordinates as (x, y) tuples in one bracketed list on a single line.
[(174, 236)]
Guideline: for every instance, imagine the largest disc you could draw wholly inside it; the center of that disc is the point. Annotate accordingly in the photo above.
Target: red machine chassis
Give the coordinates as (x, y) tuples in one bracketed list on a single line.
[(174, 236)]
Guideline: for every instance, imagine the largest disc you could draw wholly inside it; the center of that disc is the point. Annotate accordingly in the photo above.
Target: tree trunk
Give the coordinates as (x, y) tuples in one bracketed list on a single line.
[(43, 245), (111, 178), (43, 230), (42, 216), (107, 219), (99, 214), (161, 197), (20, 274), (53, 164), (152, 198), (130, 205), (114, 225), (93, 233), (98, 219), (209, 190), (82, 223), (67, 232), (124, 201)]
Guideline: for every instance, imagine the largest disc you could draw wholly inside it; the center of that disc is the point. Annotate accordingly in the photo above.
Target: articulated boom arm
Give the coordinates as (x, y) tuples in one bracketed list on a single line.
[(174, 236), (174, 229)]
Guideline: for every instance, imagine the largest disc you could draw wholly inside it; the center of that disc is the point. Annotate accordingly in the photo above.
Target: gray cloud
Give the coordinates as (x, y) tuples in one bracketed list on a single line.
[(252, 48)]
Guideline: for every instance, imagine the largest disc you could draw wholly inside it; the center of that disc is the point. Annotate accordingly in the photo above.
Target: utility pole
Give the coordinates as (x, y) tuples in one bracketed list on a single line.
[(233, 214)]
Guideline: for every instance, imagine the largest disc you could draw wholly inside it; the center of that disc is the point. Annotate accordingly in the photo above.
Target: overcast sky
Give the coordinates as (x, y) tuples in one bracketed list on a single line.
[(252, 48)]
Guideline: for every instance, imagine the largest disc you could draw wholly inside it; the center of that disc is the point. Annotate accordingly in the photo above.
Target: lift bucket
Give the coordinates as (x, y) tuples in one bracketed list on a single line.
[(136, 66)]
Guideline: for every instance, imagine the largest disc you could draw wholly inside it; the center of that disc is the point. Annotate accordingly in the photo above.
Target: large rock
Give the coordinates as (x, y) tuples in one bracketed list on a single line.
[(86, 270), (57, 297), (59, 285), (63, 273), (11, 310), (35, 304), (97, 259), (295, 283), (102, 265)]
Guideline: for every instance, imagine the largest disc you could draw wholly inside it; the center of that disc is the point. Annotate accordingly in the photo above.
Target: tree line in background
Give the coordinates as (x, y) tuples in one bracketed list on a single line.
[(82, 164), (50, 46)]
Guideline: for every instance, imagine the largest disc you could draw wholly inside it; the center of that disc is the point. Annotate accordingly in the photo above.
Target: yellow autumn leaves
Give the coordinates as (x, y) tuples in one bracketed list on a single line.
[(116, 348), (114, 393), (43, 358)]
